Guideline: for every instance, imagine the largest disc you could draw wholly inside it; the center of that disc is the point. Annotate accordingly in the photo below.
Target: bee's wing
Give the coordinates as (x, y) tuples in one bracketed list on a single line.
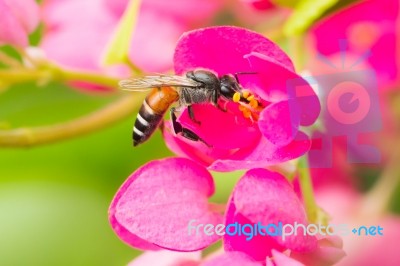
[(158, 81)]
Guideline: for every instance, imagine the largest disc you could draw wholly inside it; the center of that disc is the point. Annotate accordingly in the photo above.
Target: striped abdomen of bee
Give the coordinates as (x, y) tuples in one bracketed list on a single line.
[(152, 112)]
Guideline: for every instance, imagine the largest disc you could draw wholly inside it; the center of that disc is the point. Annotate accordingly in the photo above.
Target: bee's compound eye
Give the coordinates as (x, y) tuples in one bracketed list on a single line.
[(205, 77)]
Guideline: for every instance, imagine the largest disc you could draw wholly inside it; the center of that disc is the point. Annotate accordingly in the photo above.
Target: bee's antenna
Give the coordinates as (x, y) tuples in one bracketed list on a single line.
[(242, 72)]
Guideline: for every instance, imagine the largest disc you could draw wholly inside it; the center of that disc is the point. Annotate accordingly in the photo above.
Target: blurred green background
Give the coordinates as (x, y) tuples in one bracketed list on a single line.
[(54, 198)]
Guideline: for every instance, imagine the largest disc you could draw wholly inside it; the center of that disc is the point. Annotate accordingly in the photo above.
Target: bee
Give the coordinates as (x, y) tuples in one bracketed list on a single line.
[(196, 87)]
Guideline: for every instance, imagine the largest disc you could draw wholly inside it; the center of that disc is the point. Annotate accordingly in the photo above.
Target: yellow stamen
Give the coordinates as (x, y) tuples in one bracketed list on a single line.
[(253, 103), (236, 97), (245, 93), (242, 108), (251, 97), (246, 113)]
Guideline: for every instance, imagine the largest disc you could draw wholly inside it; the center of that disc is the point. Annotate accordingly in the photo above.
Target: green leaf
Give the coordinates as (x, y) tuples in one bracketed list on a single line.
[(117, 51), (305, 14)]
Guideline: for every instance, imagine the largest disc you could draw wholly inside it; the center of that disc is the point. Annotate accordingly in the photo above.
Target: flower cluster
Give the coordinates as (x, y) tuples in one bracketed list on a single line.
[(153, 208)]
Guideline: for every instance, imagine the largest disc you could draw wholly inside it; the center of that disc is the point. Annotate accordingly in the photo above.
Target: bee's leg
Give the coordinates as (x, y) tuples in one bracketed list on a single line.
[(184, 132), (175, 124), (214, 101), (191, 115)]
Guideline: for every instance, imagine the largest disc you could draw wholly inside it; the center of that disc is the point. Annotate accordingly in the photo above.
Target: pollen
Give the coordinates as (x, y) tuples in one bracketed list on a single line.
[(247, 113), (250, 110), (253, 103), (245, 93), (251, 97), (236, 97), (242, 108)]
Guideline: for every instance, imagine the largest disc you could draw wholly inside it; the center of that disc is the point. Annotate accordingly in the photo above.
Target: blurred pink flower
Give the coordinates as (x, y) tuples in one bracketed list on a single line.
[(367, 26), (361, 250), (354, 124), (155, 206), (238, 142), (77, 32), (18, 18)]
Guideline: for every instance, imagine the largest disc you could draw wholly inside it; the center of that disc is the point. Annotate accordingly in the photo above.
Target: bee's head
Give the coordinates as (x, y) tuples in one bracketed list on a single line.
[(229, 87)]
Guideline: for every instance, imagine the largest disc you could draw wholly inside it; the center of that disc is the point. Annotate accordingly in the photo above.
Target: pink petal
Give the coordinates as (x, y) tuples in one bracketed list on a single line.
[(329, 252), (264, 154), (219, 49), (167, 258), (62, 14), (260, 4), (158, 201), (154, 40), (221, 130), (191, 12), (279, 122), (280, 259), (231, 259), (188, 12), (258, 247), (18, 18), (266, 197), (66, 23), (66, 40), (196, 151), (60, 47), (224, 160)]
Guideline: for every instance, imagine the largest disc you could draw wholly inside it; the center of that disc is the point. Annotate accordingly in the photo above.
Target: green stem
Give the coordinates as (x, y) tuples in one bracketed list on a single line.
[(26, 137), (54, 73), (70, 75), (307, 190), (298, 50)]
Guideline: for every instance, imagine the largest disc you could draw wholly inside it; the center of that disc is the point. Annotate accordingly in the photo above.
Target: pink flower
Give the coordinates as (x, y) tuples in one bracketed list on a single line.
[(163, 203), (367, 26), (361, 249), (77, 32), (288, 102), (18, 18), (355, 117)]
